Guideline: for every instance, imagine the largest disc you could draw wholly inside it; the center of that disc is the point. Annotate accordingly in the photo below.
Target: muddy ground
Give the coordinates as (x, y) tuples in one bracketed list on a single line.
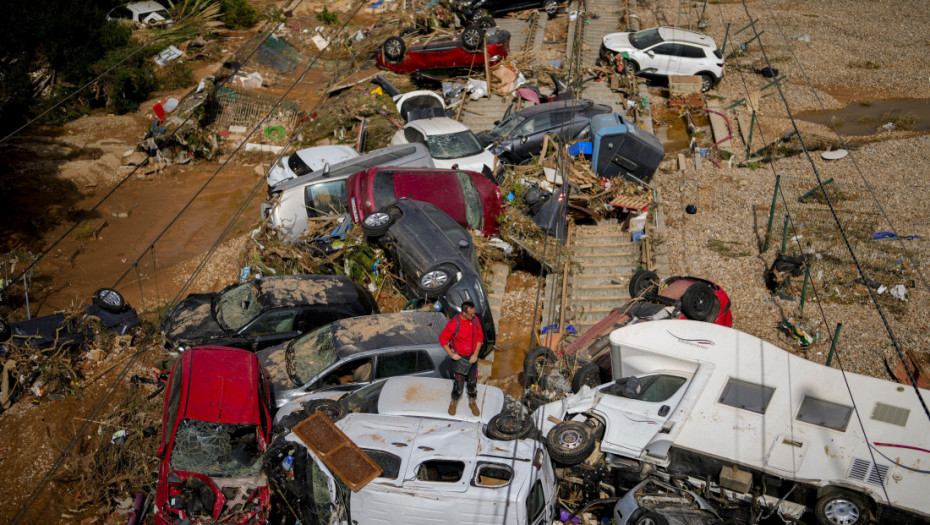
[(858, 52)]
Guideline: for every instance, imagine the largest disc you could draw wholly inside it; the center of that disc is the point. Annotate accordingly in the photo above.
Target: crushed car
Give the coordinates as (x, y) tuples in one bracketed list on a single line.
[(474, 10), (353, 352), (322, 193), (469, 198), (436, 259), (415, 52), (264, 312), (451, 144), (148, 14), (518, 137), (307, 161), (215, 430), (654, 501)]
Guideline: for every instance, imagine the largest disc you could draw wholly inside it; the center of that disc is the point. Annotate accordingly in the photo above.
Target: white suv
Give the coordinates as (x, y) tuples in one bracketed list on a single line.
[(666, 51)]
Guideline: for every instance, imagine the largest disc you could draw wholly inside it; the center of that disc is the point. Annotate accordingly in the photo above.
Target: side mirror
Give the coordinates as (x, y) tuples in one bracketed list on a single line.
[(522, 139), (326, 170), (651, 53), (632, 388)]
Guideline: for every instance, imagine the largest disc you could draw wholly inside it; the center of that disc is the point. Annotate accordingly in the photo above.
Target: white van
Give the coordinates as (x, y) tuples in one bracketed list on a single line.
[(715, 405)]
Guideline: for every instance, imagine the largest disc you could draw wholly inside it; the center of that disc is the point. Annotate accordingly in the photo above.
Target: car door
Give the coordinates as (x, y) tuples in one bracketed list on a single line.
[(657, 59), (271, 328), (632, 422), (529, 135), (693, 60)]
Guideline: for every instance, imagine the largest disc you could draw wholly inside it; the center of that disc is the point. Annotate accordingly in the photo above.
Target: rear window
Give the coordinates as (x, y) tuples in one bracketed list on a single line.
[(298, 166), (492, 475), (748, 396), (474, 209), (441, 471), (536, 502), (717, 54)]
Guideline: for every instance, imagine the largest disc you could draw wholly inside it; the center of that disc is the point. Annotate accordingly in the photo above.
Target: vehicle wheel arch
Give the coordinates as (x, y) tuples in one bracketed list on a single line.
[(714, 79), (828, 493)]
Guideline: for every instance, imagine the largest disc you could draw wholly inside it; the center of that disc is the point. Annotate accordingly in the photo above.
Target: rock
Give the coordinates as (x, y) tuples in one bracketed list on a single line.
[(260, 170)]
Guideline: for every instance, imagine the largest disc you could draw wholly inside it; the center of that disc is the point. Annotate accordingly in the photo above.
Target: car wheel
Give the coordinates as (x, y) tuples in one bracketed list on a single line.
[(109, 300), (631, 66), (551, 7), (472, 38), (376, 224), (332, 409), (435, 281), (538, 359), (841, 508), (707, 82), (394, 49), (485, 23), (699, 302), (508, 427), (588, 374), (647, 517), (642, 281), (5, 331), (570, 442)]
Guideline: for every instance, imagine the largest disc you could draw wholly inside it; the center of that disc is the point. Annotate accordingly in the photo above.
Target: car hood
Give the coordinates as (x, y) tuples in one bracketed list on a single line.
[(618, 42), (475, 163), (191, 322), (486, 138), (273, 359)]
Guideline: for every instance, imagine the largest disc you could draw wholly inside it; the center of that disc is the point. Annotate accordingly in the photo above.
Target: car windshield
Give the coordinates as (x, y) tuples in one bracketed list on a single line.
[(224, 450), (365, 399), (503, 129), (309, 355), (237, 306), (453, 145), (298, 166), (474, 210), (645, 38)]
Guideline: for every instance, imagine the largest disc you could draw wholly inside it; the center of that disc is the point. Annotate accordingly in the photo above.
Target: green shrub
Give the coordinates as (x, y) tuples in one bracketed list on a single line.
[(129, 87), (238, 14), (327, 17), (176, 75)]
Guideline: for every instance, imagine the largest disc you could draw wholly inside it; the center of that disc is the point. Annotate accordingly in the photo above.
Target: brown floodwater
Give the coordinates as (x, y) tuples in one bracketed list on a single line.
[(866, 118)]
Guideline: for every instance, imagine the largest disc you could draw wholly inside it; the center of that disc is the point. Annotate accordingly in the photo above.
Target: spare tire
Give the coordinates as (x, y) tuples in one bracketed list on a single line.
[(109, 300), (330, 408), (700, 303), (508, 427), (537, 359), (641, 281), (570, 442)]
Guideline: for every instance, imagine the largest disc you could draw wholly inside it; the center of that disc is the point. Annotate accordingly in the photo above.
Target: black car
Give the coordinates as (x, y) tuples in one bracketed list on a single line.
[(59, 330), (436, 258), (472, 10), (519, 136), (264, 312)]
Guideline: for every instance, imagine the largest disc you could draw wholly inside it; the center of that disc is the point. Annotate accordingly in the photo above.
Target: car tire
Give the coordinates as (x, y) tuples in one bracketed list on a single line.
[(440, 276), (376, 224), (642, 281), (647, 517), (509, 427), (570, 442), (841, 507), (485, 23), (551, 7), (394, 49), (699, 302), (707, 82), (109, 300), (330, 408), (537, 359), (472, 39), (5, 331), (631, 66), (588, 374)]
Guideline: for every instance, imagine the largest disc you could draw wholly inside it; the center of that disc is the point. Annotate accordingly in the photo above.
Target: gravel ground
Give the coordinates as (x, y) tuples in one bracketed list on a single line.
[(852, 56)]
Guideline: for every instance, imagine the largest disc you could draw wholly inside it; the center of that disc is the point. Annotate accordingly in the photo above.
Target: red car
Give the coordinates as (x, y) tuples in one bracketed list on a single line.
[(469, 198), (424, 52), (652, 299), (216, 427)]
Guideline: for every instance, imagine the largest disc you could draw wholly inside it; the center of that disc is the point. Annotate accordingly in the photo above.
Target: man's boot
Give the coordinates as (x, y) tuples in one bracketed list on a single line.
[(473, 406), (452, 406)]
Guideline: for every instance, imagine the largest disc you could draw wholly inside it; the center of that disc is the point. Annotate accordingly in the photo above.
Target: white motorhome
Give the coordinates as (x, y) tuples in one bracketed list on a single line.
[(715, 405)]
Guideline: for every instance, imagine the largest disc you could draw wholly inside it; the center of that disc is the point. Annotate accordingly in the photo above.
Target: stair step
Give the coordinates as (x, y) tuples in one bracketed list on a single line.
[(602, 290), (603, 250), (583, 280)]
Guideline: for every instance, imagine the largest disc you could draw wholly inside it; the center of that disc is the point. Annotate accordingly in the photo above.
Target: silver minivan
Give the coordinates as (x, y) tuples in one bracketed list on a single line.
[(323, 192)]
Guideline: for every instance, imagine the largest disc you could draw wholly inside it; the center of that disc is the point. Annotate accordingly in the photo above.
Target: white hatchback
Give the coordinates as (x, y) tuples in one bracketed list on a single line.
[(665, 51), (451, 144)]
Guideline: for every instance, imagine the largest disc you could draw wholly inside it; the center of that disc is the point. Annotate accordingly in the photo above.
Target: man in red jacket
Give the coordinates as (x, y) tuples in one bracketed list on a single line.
[(461, 338)]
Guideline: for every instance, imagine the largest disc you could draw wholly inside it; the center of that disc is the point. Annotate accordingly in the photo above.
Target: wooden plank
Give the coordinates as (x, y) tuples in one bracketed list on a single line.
[(630, 203), (719, 126), (682, 162), (743, 121)]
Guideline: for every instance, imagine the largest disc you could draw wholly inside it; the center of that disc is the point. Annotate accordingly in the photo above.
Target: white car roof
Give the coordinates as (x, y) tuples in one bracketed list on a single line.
[(437, 126), (678, 34), (145, 7), (430, 396), (318, 156)]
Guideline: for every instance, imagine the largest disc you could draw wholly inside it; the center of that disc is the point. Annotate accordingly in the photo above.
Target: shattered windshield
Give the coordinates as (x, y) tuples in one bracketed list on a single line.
[(365, 399), (306, 357), (645, 38), (507, 125), (474, 209), (237, 306), (453, 145), (222, 450)]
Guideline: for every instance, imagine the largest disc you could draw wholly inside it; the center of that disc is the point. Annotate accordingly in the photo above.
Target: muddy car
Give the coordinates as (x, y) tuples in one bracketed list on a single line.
[(58, 330), (654, 501), (435, 256), (423, 52), (307, 161), (469, 198), (215, 430), (356, 351), (451, 144), (264, 312)]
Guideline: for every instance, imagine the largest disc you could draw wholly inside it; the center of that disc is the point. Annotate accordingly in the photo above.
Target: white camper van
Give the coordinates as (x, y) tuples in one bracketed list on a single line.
[(715, 405)]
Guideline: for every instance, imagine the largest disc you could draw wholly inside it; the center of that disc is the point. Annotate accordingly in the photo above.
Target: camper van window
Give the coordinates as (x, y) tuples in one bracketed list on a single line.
[(492, 475), (441, 470), (747, 396), (824, 413), (660, 388), (389, 463), (536, 502)]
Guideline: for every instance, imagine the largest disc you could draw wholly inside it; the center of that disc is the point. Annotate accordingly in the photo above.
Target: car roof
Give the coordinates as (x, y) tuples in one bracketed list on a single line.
[(304, 290), (346, 168), (438, 126), (144, 7), (221, 384), (677, 34), (576, 105), (429, 397), (372, 332)]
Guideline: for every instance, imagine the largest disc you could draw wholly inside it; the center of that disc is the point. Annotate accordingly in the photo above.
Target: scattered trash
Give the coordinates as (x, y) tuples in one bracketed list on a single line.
[(251, 81), (320, 42), (881, 289), (803, 38), (889, 126), (502, 244), (767, 72), (164, 107), (275, 132), (477, 89), (691, 209), (899, 292), (799, 333), (38, 389), (169, 54), (265, 148), (835, 154), (119, 438), (891, 235)]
